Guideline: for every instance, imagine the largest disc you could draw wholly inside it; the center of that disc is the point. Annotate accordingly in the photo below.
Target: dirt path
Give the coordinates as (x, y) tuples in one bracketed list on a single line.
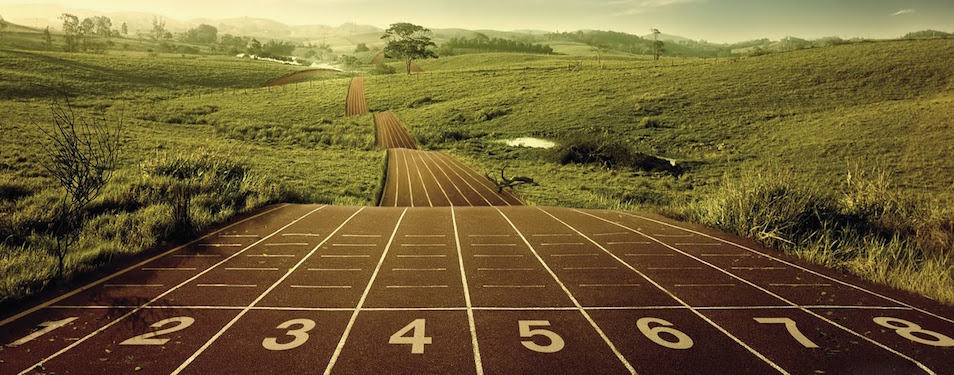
[(298, 76), (362, 290), (356, 104), (378, 58)]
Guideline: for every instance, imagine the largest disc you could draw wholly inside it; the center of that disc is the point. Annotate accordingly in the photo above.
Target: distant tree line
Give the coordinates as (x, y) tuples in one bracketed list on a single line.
[(483, 43), (79, 34)]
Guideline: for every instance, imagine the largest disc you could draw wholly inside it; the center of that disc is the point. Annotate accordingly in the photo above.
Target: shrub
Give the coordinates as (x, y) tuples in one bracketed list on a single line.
[(608, 153), (487, 114), (383, 69)]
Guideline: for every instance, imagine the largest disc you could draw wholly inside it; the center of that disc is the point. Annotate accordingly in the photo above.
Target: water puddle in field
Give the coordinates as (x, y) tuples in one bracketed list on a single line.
[(529, 142)]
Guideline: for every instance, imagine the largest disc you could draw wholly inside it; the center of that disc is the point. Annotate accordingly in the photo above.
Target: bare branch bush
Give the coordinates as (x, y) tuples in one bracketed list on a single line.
[(80, 155)]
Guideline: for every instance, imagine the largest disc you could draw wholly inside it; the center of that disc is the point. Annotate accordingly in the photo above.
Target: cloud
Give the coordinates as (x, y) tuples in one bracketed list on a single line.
[(902, 12)]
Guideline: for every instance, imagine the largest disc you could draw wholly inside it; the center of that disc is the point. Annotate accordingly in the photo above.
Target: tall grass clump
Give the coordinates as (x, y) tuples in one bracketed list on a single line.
[(608, 152), (865, 226)]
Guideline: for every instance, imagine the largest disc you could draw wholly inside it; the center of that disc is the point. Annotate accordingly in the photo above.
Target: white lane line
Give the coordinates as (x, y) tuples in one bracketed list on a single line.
[(392, 154), (610, 234), (589, 268), (250, 269), (766, 291), (586, 315), (649, 255), (726, 255), (698, 244), (226, 285), (248, 308), (423, 256), (493, 244), (498, 256), (362, 235), (440, 157), (287, 244), (512, 286), (801, 285), (364, 296), (675, 268), (321, 286), (425, 235), (414, 286), (344, 256), (132, 285), (407, 170), (759, 268), (629, 243), (432, 159), (423, 245), (336, 269), (470, 308), (505, 269), (419, 269), (607, 285), (667, 291), (573, 255), (196, 256), (439, 184), (487, 235), (561, 244), (420, 175), (790, 264), (552, 235), (271, 255), (119, 319), (301, 235), (704, 285), (220, 245), (239, 236), (167, 269), (671, 235), (479, 180), (353, 245)]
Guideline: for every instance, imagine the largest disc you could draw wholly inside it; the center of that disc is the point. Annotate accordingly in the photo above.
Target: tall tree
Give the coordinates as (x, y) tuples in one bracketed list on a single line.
[(408, 42), (657, 45), (47, 38), (158, 28), (72, 30), (124, 29), (600, 47), (104, 26), (3, 27)]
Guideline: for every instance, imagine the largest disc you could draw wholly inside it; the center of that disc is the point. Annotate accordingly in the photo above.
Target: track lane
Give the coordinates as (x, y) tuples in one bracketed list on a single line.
[(356, 103)]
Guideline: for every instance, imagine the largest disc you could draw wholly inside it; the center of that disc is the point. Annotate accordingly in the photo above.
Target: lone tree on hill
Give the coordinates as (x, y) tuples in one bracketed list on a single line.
[(158, 28), (657, 45), (600, 47), (3, 27), (409, 42)]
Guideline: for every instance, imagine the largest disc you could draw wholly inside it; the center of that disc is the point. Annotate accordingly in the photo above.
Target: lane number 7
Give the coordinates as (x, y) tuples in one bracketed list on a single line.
[(792, 330)]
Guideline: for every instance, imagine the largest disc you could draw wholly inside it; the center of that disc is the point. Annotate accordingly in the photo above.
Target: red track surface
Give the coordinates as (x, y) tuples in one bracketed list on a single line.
[(433, 179), (391, 133), (356, 104), (307, 289), (298, 76)]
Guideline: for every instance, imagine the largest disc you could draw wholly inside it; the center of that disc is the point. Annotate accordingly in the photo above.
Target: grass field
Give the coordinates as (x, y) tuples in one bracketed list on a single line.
[(879, 111), (842, 154), (199, 122)]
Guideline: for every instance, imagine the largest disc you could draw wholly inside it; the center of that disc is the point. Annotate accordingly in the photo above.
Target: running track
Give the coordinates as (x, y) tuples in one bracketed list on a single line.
[(356, 104), (301, 288)]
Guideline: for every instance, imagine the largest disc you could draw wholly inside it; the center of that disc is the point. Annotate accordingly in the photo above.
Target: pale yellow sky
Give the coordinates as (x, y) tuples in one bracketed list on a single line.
[(714, 20)]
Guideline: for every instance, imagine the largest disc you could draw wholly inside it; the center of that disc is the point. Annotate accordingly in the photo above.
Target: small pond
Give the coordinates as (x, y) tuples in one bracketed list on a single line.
[(529, 142)]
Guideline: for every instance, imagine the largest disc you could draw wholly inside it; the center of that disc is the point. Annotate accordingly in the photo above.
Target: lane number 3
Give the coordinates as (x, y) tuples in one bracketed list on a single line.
[(300, 335)]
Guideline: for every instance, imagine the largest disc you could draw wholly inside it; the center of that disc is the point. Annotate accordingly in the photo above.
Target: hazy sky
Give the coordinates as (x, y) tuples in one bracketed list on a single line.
[(713, 20)]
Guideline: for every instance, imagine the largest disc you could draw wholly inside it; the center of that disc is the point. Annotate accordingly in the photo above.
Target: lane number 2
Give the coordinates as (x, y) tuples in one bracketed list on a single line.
[(792, 330), (417, 340), (182, 322), (48, 327), (683, 341), (526, 330), (300, 335), (908, 330)]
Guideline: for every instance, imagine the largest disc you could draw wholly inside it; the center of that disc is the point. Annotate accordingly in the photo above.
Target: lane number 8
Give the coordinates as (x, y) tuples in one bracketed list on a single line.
[(908, 329)]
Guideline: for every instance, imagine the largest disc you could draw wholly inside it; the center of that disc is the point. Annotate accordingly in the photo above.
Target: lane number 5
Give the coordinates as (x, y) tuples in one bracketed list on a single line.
[(526, 330)]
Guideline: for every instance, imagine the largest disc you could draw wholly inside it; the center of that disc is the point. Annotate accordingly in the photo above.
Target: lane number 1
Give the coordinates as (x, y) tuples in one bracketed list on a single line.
[(48, 327)]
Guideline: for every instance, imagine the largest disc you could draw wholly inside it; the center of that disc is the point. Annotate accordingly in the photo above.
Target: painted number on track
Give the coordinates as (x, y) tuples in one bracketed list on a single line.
[(792, 330), (417, 339), (556, 342), (48, 327), (653, 333), (182, 322), (299, 335), (911, 331)]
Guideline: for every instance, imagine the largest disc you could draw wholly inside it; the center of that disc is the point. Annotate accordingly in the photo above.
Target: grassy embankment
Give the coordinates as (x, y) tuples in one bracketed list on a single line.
[(765, 144), (198, 123)]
